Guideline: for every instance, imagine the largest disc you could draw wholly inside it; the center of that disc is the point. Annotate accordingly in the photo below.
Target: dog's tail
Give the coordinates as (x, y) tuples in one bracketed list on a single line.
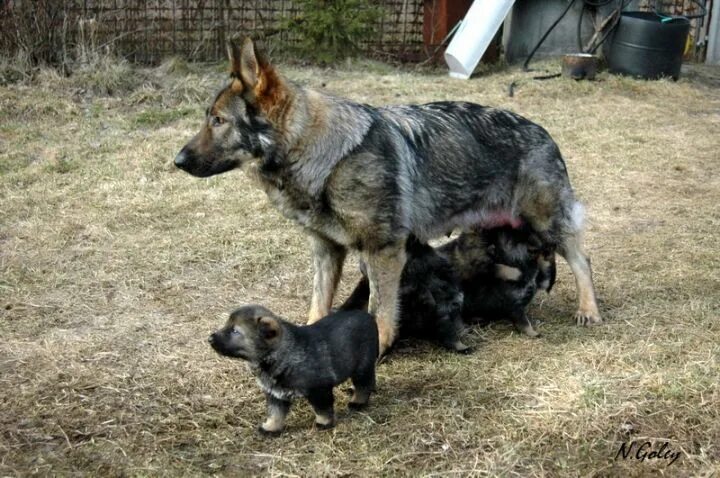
[(577, 216)]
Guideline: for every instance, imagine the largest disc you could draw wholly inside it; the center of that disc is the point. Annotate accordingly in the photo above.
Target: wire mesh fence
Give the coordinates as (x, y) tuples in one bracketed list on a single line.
[(148, 30)]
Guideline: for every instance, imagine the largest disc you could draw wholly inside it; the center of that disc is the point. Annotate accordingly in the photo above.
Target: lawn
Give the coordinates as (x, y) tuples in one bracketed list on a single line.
[(115, 266)]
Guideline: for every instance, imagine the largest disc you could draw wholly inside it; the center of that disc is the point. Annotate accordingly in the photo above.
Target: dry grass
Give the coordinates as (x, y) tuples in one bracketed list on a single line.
[(114, 267)]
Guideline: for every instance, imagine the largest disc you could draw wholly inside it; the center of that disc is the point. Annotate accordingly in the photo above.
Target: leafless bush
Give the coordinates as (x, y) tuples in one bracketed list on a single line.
[(42, 34), (36, 29)]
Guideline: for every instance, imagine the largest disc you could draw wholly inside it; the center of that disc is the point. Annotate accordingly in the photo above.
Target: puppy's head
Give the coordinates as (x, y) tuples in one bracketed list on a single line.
[(515, 252), (249, 334), (513, 247)]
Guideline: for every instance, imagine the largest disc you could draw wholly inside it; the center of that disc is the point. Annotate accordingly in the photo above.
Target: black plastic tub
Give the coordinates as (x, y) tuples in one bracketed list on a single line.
[(644, 46)]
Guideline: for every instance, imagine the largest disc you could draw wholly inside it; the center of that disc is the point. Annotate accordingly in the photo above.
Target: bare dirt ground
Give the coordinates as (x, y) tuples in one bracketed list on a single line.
[(115, 266)]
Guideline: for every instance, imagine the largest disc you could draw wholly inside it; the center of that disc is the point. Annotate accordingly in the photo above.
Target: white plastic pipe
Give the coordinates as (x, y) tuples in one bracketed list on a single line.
[(474, 35), (712, 56)]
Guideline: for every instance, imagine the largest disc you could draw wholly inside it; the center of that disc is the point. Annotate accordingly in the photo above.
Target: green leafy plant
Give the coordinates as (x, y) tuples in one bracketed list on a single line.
[(330, 30)]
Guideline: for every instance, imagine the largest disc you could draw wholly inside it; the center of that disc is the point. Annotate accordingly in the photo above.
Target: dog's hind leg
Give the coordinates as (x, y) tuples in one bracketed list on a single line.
[(562, 226), (384, 268), (328, 259), (570, 248)]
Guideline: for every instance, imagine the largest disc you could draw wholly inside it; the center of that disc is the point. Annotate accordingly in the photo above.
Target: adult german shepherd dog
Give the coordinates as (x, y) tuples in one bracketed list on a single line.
[(362, 177)]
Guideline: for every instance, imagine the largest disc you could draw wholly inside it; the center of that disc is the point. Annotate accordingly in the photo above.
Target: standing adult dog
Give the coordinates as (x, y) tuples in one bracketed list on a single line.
[(360, 177)]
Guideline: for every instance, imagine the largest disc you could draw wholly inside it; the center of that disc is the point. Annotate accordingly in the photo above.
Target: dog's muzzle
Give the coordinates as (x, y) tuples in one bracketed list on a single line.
[(182, 160), (217, 344)]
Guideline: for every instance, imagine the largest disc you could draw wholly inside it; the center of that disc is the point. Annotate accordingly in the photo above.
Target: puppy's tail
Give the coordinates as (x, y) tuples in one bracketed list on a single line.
[(359, 297)]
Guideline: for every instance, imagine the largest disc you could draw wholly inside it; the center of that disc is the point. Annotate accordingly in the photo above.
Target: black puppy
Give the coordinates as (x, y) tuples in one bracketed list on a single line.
[(430, 298), (500, 271), (293, 361)]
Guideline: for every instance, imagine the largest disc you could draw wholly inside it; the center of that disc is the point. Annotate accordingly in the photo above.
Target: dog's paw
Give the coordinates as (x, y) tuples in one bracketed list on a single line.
[(385, 355), (269, 433), (587, 319), (356, 407)]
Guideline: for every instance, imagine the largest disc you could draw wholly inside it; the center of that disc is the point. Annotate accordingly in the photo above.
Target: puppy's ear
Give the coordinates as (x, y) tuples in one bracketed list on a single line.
[(534, 243), (491, 251), (269, 328)]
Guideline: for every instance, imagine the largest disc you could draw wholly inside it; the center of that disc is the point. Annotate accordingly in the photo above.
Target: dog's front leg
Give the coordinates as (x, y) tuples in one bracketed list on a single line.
[(328, 259), (384, 268)]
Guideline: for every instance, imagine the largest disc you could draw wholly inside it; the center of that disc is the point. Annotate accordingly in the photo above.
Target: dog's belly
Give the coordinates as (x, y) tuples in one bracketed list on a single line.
[(471, 219), (500, 218)]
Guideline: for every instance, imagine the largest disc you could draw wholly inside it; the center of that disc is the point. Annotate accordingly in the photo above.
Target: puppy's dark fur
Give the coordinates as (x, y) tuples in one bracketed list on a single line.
[(431, 301), (293, 361), (501, 270)]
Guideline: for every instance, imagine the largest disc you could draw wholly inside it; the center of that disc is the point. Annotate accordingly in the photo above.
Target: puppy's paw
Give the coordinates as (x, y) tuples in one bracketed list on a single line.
[(269, 433), (529, 331), (459, 348), (356, 407), (325, 426), (587, 319)]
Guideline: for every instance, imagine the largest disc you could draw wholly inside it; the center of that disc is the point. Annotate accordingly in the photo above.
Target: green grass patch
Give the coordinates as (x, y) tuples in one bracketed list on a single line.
[(160, 117)]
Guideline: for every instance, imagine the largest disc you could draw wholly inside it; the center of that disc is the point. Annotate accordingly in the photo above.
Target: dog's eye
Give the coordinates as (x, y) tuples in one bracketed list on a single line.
[(216, 121), (235, 331)]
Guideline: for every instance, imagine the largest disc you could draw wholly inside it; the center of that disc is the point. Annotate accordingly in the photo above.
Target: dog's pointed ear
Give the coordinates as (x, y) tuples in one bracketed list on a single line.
[(245, 63), (249, 64), (259, 78), (269, 328), (233, 50)]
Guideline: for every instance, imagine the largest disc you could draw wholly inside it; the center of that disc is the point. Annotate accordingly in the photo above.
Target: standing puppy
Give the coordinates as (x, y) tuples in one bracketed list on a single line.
[(365, 178), (293, 361)]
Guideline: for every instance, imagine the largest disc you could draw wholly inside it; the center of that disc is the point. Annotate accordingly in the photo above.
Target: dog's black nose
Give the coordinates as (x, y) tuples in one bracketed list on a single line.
[(211, 339), (181, 159)]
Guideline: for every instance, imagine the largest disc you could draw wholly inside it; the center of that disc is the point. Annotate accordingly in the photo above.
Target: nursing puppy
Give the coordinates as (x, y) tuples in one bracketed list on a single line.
[(291, 361), (431, 301), (500, 271)]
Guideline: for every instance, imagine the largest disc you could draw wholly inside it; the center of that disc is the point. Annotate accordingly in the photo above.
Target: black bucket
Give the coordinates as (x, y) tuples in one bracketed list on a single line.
[(643, 46)]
